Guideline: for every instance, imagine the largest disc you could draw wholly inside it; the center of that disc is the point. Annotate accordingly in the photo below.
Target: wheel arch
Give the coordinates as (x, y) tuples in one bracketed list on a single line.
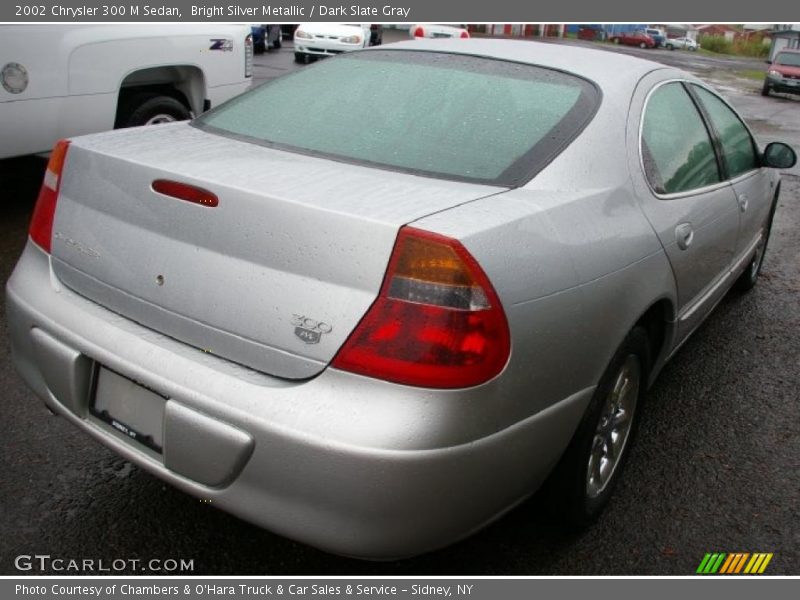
[(659, 323), (185, 83)]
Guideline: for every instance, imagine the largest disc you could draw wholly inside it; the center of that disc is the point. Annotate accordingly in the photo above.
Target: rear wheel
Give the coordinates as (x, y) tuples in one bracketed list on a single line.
[(151, 109), (586, 476)]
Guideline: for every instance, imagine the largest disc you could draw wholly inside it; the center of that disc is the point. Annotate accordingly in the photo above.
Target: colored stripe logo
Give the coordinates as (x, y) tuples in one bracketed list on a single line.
[(735, 563)]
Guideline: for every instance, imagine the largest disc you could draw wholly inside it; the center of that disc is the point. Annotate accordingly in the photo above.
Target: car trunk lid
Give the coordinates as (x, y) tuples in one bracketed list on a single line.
[(274, 277)]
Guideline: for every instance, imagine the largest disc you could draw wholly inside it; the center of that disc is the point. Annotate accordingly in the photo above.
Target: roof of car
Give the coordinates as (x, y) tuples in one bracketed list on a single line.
[(606, 68)]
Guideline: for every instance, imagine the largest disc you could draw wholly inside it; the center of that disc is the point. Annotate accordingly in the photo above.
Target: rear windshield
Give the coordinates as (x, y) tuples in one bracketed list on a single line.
[(788, 59), (430, 113)]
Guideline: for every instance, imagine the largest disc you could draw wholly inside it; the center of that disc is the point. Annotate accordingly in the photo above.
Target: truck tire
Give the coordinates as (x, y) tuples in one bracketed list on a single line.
[(152, 109)]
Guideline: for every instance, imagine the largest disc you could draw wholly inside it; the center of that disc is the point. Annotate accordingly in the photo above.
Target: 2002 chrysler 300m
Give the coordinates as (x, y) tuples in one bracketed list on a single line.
[(372, 304)]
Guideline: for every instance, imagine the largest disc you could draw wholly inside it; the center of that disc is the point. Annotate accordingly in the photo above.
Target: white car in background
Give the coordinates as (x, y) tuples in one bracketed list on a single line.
[(683, 43), (328, 39), (434, 30)]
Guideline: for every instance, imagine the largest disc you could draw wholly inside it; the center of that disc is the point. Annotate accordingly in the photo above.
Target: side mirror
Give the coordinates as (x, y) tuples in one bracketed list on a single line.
[(778, 155)]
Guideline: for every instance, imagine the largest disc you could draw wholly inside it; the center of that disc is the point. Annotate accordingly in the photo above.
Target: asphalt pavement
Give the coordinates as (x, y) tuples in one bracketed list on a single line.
[(716, 466)]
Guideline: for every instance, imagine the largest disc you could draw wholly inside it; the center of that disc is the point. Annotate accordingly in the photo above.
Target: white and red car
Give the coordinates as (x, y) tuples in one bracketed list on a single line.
[(435, 30)]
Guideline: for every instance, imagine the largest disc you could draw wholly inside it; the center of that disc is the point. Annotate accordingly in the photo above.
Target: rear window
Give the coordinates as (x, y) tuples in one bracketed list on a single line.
[(430, 113)]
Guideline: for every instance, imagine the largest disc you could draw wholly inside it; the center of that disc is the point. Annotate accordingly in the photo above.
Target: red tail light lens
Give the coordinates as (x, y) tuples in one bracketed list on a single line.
[(437, 321), (419, 32), (464, 34), (184, 191), (41, 229)]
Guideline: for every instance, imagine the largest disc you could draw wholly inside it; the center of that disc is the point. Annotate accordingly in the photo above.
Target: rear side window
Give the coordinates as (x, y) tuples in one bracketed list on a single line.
[(738, 147), (430, 113), (676, 148)]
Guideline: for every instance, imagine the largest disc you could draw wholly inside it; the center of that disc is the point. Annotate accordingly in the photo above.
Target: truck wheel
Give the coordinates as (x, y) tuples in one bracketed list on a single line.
[(152, 109)]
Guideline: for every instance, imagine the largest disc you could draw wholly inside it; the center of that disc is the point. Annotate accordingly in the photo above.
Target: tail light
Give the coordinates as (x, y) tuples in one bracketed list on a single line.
[(419, 32), (184, 191), (437, 321), (464, 35), (41, 229), (248, 55)]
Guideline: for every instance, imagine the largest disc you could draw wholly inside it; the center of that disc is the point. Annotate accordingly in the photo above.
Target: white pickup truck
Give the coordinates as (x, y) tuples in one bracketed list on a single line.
[(67, 80)]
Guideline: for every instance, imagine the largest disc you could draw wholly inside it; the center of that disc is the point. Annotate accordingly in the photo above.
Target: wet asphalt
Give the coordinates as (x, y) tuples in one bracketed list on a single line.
[(716, 466)]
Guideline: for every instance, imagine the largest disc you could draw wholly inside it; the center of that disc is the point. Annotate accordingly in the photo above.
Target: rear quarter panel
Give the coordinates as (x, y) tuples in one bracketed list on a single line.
[(573, 259)]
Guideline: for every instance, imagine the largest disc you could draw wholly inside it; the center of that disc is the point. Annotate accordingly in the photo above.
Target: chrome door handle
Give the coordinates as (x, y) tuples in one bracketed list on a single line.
[(743, 203), (684, 234)]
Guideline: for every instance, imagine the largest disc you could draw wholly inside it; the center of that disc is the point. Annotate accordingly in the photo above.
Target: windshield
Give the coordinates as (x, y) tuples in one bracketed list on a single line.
[(443, 115), (788, 59)]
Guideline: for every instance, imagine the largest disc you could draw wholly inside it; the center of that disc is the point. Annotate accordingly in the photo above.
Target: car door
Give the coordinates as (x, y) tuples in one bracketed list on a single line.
[(751, 182), (691, 208)]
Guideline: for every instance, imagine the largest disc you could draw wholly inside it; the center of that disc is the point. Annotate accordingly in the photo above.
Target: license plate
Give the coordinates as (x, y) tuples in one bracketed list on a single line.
[(129, 408), (442, 35)]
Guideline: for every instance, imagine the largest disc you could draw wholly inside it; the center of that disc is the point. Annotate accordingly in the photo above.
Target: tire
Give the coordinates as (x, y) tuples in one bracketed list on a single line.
[(151, 109), (277, 44), (615, 40), (670, 47), (260, 47), (583, 483), (749, 277), (642, 45), (765, 89), (301, 58)]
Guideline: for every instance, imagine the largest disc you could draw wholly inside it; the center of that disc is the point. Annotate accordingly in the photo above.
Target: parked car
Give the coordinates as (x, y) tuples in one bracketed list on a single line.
[(219, 303), (313, 40), (435, 30), (682, 43), (636, 38), (783, 74), (658, 35)]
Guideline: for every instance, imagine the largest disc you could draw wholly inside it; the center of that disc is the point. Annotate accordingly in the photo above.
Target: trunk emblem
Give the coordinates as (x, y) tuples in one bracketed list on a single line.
[(308, 330)]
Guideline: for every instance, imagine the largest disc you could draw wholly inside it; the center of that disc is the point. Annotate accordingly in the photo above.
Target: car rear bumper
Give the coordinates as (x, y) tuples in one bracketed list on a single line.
[(348, 464)]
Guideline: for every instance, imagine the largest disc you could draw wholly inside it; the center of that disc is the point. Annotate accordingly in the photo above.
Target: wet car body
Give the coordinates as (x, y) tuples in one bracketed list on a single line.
[(235, 319)]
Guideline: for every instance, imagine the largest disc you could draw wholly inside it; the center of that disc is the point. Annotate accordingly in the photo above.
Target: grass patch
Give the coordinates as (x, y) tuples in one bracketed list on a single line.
[(754, 74)]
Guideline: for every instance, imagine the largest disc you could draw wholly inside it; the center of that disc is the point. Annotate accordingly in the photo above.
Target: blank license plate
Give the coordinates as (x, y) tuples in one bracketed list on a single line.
[(131, 409)]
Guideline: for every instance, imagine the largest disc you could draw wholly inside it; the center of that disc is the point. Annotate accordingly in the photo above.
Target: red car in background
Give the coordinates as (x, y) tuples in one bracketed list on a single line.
[(636, 38)]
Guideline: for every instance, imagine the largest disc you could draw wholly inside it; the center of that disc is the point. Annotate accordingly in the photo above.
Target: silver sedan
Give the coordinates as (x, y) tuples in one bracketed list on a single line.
[(375, 303)]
